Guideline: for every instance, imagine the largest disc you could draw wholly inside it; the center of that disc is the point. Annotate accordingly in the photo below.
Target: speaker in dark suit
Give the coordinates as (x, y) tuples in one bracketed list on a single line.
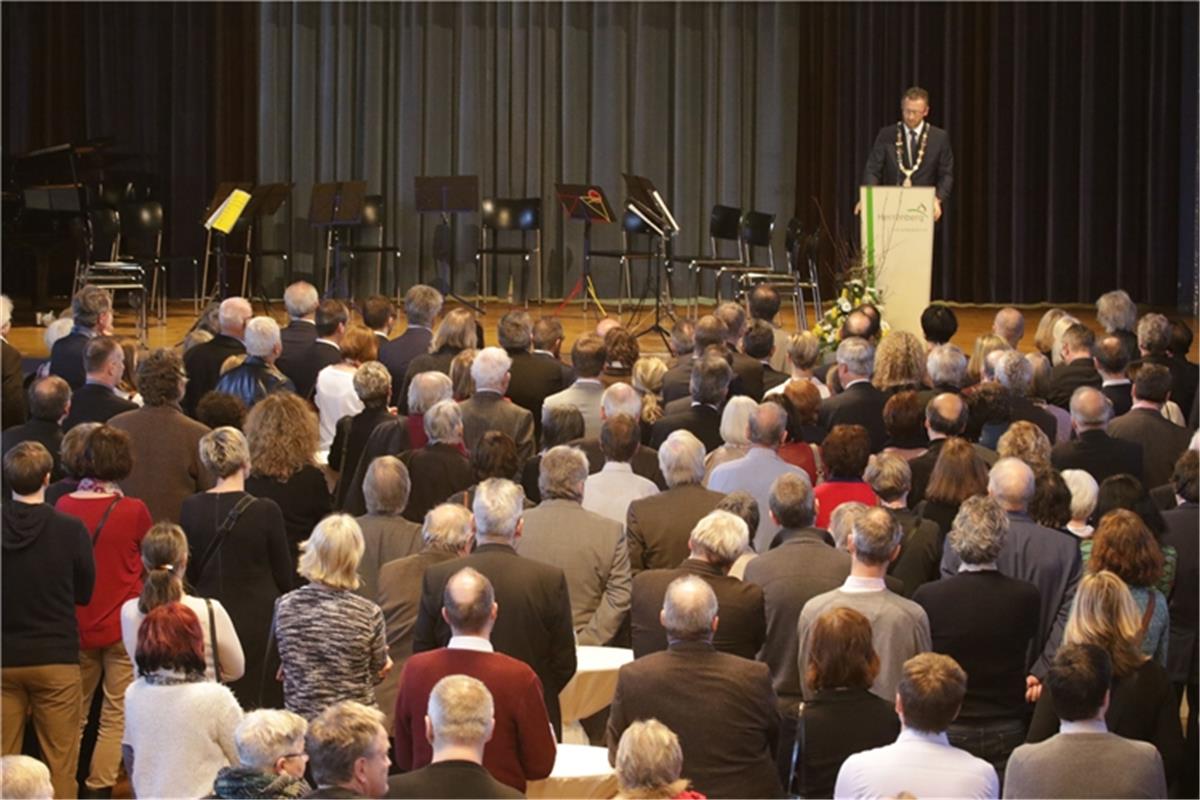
[(912, 150)]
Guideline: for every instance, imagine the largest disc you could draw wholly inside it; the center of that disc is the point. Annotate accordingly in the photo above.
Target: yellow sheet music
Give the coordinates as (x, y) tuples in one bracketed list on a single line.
[(226, 215)]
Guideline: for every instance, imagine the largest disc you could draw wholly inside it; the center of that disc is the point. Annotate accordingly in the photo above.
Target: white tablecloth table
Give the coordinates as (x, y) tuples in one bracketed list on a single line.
[(592, 688), (580, 771)]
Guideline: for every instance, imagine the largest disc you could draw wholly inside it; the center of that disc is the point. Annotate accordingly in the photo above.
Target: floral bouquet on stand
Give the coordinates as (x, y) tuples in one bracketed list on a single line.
[(853, 294)]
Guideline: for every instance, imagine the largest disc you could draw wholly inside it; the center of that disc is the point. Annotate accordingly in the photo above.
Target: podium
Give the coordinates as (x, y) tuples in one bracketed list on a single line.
[(897, 248)]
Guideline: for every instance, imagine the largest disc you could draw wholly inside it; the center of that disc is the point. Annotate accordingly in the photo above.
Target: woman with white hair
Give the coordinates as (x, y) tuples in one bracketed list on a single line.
[(257, 376), (331, 641), (735, 432), (271, 757), (440, 468), (649, 761), (373, 386), (1084, 493)]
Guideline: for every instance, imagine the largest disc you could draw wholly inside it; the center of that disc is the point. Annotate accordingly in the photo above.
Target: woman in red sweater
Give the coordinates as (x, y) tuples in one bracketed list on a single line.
[(845, 451), (116, 525)]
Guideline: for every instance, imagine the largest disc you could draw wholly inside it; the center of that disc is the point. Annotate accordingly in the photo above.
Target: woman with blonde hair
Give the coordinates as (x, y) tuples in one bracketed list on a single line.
[(735, 432), (1025, 441), (648, 376), (1043, 340), (804, 356), (331, 641), (985, 345), (899, 363), (460, 374), (1142, 704), (456, 332), (334, 394)]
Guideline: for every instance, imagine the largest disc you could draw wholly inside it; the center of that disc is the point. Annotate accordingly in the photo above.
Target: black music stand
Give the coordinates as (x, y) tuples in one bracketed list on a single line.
[(587, 203), (645, 201), (218, 234), (336, 206), (445, 195), (224, 189)]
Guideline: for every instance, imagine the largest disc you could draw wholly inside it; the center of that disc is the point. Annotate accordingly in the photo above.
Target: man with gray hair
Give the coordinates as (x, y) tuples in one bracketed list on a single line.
[(387, 535), (203, 362), (748, 370), (301, 301), (534, 624), (921, 544), (522, 748), (721, 705), (621, 398), (439, 469), (1009, 325), (271, 757), (25, 777), (899, 627), (487, 409), (92, 313), (588, 547), (709, 386), (547, 346), (986, 622), (1117, 314), (1093, 450), (859, 402), (1042, 556), (756, 471), (715, 544), (533, 378), (348, 751), (445, 536), (658, 527), (1015, 373), (257, 376), (421, 306), (947, 367)]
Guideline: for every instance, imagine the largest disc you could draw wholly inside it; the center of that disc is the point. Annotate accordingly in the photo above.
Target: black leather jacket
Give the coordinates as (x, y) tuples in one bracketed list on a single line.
[(253, 380)]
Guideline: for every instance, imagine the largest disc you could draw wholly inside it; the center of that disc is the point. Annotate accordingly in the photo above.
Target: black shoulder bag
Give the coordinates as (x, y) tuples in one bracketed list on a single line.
[(215, 545)]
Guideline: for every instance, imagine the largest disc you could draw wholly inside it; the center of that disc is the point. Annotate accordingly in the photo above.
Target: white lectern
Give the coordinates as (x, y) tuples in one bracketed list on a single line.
[(897, 248)]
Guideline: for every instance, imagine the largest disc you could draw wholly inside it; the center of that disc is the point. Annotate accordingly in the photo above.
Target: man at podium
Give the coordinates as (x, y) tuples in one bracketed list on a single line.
[(912, 152)]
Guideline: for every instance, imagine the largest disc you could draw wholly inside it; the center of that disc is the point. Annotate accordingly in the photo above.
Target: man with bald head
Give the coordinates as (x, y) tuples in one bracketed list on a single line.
[(1093, 450), (1111, 359), (721, 706), (1042, 556), (945, 416), (522, 748), (1009, 325), (203, 362)]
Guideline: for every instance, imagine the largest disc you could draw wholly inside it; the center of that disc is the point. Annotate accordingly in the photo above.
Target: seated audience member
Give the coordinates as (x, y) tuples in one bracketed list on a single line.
[(588, 356), (387, 535), (803, 356), (96, 400), (1076, 368), (1046, 558), (764, 302), (1162, 441), (904, 418), (1112, 362), (610, 491), (179, 727), (459, 723), (649, 763), (735, 427), (373, 385), (802, 449), (25, 777), (204, 361), (533, 378), (1043, 337), (522, 748), (717, 541), (535, 626), (281, 431), (759, 343), (460, 374), (743, 506), (621, 398), (456, 332), (708, 386), (921, 762), (939, 324), (859, 402), (729, 740), (1142, 703), (219, 410), (977, 364), (946, 366), (1084, 493), (946, 418), (843, 717), (958, 474), (334, 394), (560, 425), (658, 527), (1117, 314), (439, 469), (300, 299), (487, 409), (621, 352), (49, 402), (1084, 759), (899, 364), (271, 757), (257, 376), (1009, 325), (92, 312), (445, 535), (921, 544), (164, 563), (899, 627), (331, 641), (1093, 450), (347, 749), (846, 452), (48, 570), (1026, 442), (1124, 546), (647, 380), (986, 621), (421, 306)]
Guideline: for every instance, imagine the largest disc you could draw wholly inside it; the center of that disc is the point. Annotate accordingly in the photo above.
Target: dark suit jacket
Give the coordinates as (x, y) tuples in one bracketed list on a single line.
[(1066, 378), (1162, 442), (644, 461), (722, 708), (534, 627), (315, 359), (657, 528), (937, 168), (742, 625), (297, 339), (1183, 377), (203, 365), (46, 432), (389, 438), (922, 468), (920, 551), (449, 780), (702, 420), (534, 378), (677, 380), (397, 354), (66, 358), (861, 404), (773, 377), (436, 471), (565, 370), (12, 395), (1121, 397), (95, 402), (1182, 523), (1098, 454), (1024, 409), (750, 371), (349, 442)]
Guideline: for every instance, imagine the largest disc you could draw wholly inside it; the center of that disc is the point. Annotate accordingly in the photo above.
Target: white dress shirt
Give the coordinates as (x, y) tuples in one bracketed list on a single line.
[(335, 398), (923, 764), (477, 643), (610, 491)]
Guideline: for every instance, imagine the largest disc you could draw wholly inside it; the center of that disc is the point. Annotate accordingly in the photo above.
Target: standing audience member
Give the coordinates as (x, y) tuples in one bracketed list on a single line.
[(921, 762), (387, 535), (945, 419), (764, 305), (610, 491), (348, 752), (220, 410), (560, 425), (709, 385), (921, 543), (73, 455), (759, 343), (904, 418), (494, 457), (649, 762), (1093, 450), (421, 306), (938, 325), (460, 374), (621, 352), (257, 376), (979, 365), (1154, 343), (25, 777), (749, 371), (379, 315), (49, 402), (859, 402), (332, 321), (803, 355), (1084, 493), (1124, 546), (97, 399), (1009, 325), (588, 356), (946, 366), (1027, 442), (533, 378), (1076, 368), (958, 474), (648, 375), (455, 334), (489, 410), (271, 757), (801, 401), (178, 726), (1162, 441), (1015, 374), (1182, 522), (48, 570), (1112, 362), (899, 364), (618, 399), (1117, 314), (335, 395), (439, 469), (735, 433), (707, 334), (846, 452), (92, 313), (373, 385), (298, 338), (204, 361)]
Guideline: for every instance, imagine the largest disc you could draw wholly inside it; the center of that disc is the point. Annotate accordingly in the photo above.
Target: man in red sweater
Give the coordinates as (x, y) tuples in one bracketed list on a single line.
[(522, 747)]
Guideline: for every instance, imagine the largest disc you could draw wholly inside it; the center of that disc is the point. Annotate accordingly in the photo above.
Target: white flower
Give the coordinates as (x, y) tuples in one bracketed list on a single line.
[(845, 305)]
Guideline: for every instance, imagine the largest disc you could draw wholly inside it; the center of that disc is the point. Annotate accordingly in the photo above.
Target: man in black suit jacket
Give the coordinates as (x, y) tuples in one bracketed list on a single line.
[(97, 400), (1162, 441), (533, 378), (1157, 345), (708, 333), (1183, 654), (203, 362), (748, 370), (1015, 373), (912, 152), (421, 306), (49, 402), (759, 344), (440, 468), (534, 623), (91, 308), (301, 300), (709, 385), (1094, 451), (331, 321), (1111, 362), (547, 345), (721, 706), (945, 416), (1076, 368), (859, 402)]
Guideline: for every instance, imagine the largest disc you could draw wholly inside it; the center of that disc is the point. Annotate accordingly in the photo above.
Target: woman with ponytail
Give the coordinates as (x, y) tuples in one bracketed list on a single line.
[(164, 562)]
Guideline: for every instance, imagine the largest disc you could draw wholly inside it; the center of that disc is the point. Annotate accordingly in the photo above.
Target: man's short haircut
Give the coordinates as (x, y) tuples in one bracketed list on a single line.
[(422, 304), (234, 312), (339, 736), (330, 314), (495, 456), (764, 302), (26, 466), (681, 459), (621, 398), (1152, 383), (979, 530), (266, 735), (1181, 338), (734, 317), (1116, 311), (742, 505), (447, 528), (443, 422), (498, 506), (1154, 333), (1186, 476), (89, 304), (562, 472), (332, 553), (768, 424), (547, 331), (1014, 372), (561, 424), (857, 355), (221, 410), (377, 310), (758, 340), (1011, 482), (461, 711), (931, 689), (689, 608), (1079, 337), (721, 536), (24, 776), (386, 486), (468, 599), (1077, 680), (709, 331), (300, 299), (875, 534), (490, 366), (939, 423), (915, 93), (858, 324), (224, 451), (804, 350), (792, 500), (1089, 407), (588, 356), (97, 352), (1009, 324), (710, 379), (841, 522), (649, 758), (938, 323), (515, 331), (48, 396), (620, 437), (1110, 354), (890, 476)]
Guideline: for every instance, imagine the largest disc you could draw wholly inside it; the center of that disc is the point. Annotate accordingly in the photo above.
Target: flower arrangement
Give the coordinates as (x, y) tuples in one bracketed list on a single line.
[(854, 293)]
